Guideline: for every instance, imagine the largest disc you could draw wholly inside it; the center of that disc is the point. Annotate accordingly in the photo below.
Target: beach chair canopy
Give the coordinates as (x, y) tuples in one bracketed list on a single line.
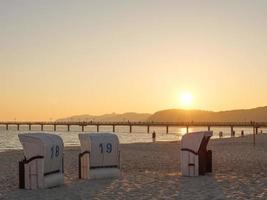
[(196, 141)]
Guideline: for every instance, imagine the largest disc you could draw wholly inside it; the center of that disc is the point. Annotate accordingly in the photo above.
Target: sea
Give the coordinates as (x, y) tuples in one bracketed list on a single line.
[(9, 138)]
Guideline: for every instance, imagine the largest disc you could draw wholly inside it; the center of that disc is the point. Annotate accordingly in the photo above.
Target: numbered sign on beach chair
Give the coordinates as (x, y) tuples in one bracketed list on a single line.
[(100, 156), (195, 159), (42, 166)]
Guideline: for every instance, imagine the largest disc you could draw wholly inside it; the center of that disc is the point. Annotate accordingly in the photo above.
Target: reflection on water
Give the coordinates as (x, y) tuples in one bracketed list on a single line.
[(9, 139)]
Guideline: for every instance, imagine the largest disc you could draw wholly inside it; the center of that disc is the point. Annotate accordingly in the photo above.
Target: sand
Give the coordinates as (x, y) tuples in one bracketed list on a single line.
[(152, 171)]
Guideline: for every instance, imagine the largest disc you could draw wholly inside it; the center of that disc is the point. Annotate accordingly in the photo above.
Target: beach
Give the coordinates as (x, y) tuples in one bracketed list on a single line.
[(152, 171)]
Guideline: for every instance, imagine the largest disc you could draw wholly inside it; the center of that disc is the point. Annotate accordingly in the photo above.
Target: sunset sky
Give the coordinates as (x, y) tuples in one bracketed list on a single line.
[(62, 58)]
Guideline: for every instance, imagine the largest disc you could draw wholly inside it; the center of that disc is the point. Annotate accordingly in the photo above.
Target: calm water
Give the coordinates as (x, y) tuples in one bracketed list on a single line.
[(9, 139)]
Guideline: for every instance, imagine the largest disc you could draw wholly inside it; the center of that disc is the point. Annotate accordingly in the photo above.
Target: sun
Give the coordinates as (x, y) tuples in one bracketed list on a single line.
[(186, 100)]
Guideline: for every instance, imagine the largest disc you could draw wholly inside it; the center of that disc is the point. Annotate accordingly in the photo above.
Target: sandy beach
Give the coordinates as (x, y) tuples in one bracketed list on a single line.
[(152, 171)]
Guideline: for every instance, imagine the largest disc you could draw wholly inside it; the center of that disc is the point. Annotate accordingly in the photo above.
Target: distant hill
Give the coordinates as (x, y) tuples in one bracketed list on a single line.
[(173, 115), (245, 115), (131, 116)]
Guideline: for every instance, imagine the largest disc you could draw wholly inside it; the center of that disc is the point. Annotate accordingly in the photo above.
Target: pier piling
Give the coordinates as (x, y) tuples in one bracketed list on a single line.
[(254, 135)]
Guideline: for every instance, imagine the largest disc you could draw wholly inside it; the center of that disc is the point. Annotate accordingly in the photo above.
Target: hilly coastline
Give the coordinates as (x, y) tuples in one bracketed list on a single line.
[(174, 115), (130, 116), (256, 114)]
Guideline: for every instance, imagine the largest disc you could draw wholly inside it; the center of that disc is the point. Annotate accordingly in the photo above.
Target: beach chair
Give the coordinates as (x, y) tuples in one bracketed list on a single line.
[(100, 156), (42, 166), (195, 159)]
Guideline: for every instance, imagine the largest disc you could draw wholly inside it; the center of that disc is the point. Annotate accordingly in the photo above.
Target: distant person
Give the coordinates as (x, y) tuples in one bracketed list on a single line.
[(154, 136), (242, 133), (220, 134)]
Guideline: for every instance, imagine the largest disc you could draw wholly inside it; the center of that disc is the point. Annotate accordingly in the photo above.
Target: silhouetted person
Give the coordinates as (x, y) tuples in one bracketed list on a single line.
[(154, 136), (242, 133), (220, 134)]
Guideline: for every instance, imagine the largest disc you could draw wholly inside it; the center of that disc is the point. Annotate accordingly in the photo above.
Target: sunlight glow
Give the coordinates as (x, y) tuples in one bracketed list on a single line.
[(186, 100)]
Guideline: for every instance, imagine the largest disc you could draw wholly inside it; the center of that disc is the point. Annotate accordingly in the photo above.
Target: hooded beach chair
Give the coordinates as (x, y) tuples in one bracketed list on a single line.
[(195, 159), (42, 166), (100, 156)]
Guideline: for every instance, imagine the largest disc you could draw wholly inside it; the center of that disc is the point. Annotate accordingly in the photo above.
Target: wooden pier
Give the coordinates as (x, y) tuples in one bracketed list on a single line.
[(148, 125)]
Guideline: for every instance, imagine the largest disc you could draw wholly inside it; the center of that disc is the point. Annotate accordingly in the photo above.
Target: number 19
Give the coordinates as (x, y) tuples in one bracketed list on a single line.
[(108, 148)]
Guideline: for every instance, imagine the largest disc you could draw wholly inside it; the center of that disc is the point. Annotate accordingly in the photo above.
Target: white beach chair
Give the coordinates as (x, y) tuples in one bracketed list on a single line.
[(42, 166), (195, 159), (100, 156)]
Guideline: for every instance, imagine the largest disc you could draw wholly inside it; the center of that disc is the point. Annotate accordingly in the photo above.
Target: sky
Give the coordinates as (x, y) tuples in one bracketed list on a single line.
[(63, 58)]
